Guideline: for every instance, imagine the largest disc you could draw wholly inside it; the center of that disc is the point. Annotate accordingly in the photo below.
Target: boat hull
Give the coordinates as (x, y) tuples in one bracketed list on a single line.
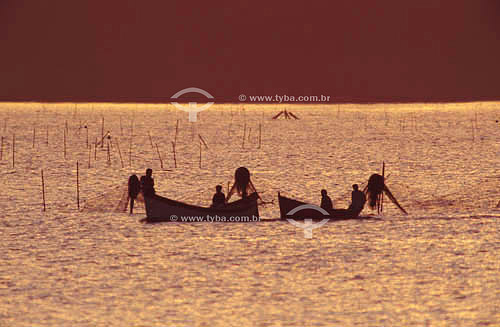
[(298, 210), (161, 209)]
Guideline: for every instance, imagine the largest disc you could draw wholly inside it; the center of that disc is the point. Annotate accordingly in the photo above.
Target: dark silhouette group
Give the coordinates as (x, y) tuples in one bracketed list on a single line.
[(358, 200), (145, 185), (244, 187)]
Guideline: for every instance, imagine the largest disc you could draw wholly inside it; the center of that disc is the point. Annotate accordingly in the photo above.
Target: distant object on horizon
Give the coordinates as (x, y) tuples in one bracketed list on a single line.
[(287, 114)]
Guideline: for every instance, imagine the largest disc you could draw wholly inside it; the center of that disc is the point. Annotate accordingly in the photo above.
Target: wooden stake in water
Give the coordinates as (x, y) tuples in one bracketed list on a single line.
[(34, 136), (47, 135), (77, 186), (173, 150), (382, 194), (64, 143), (130, 154), (1, 149), (95, 150), (260, 135), (109, 153), (130, 145), (102, 132), (150, 140), (159, 156), (121, 126), (176, 131), (90, 151), (119, 152), (244, 135), (472, 129), (43, 192), (87, 131), (13, 150), (203, 140), (200, 153)]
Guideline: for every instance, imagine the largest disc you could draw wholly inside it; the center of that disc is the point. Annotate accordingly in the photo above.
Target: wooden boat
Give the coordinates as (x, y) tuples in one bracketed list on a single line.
[(160, 209), (308, 211)]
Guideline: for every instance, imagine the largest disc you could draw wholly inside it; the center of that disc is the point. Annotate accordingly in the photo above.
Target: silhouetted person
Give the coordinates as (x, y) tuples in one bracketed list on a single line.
[(326, 202), (134, 187), (148, 183), (242, 184), (358, 199), (375, 187), (219, 198)]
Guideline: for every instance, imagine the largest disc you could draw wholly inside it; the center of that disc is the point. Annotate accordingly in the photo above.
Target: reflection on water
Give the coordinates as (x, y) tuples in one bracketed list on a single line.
[(436, 267)]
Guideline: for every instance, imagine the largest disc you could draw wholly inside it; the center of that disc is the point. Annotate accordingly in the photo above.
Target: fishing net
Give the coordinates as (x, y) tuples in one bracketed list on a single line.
[(114, 200), (434, 196), (473, 196)]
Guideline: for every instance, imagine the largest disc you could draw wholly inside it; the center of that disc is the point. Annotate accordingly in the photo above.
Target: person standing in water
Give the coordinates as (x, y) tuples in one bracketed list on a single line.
[(326, 202), (148, 183), (134, 187), (242, 184)]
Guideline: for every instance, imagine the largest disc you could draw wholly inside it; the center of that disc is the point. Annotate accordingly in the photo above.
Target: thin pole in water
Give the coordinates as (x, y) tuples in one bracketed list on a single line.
[(244, 135), (176, 131), (382, 194), (87, 131), (159, 156), (473, 132), (200, 152), (65, 144), (95, 150), (43, 191), (13, 150), (102, 132), (77, 186), (109, 153), (34, 136), (150, 140), (90, 151), (119, 152), (173, 150), (203, 140), (130, 145), (1, 149), (260, 135)]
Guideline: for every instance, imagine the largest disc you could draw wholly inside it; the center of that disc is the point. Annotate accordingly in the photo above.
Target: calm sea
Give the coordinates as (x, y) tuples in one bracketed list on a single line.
[(437, 266)]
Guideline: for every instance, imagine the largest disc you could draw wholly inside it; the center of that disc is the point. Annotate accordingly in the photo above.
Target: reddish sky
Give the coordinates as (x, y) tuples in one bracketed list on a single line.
[(145, 51)]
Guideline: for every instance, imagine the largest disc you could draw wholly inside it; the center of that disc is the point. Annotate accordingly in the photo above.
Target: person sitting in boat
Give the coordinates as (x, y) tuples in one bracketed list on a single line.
[(326, 202), (219, 199), (134, 187), (242, 184), (358, 199), (148, 183)]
